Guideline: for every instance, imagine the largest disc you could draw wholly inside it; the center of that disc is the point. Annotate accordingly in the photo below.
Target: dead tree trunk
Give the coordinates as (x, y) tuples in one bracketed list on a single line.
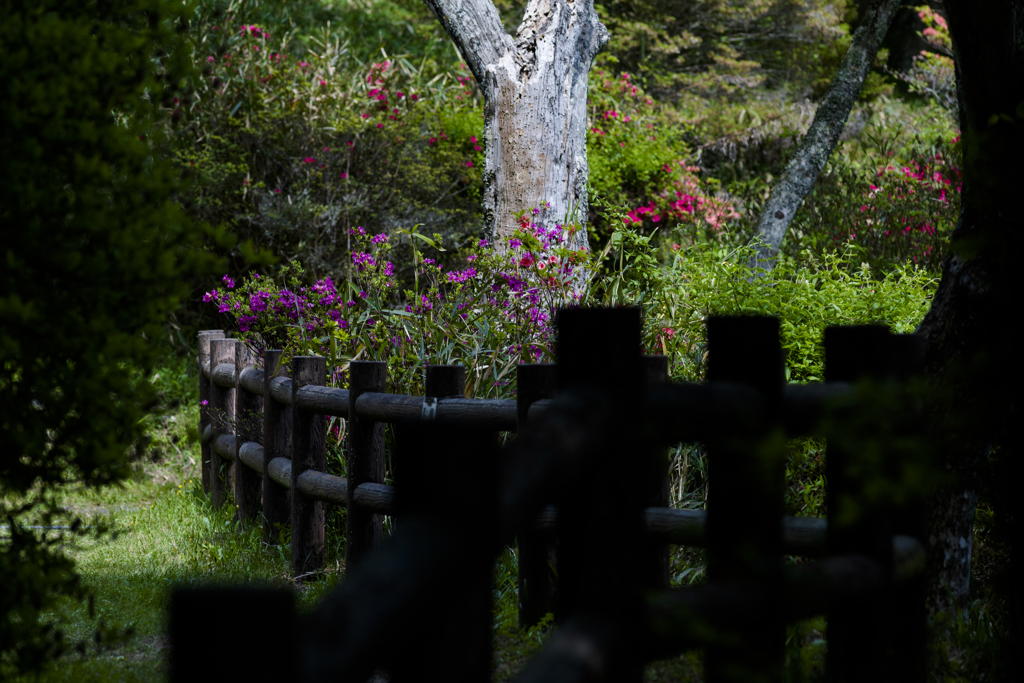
[(829, 120), (535, 104)]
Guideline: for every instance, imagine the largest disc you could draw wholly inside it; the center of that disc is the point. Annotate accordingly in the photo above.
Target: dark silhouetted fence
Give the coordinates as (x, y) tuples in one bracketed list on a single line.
[(584, 488)]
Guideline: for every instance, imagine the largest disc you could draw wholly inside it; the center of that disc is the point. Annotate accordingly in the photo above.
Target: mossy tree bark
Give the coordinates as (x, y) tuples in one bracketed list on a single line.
[(972, 347), (829, 120), (535, 110)]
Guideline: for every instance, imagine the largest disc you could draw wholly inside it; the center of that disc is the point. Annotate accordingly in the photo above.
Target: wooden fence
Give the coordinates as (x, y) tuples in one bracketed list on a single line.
[(583, 487)]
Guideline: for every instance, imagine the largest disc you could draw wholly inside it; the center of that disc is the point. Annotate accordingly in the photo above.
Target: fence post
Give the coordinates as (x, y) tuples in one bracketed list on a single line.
[(205, 336), (746, 463), (248, 427), (277, 424), (882, 637), (601, 499), (851, 354), (537, 551), (364, 461), (909, 622), (448, 491), (222, 407), (656, 558), (309, 452)]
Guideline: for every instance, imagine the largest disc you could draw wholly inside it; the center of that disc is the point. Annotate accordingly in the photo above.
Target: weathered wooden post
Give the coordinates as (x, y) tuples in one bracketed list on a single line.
[(854, 646), (309, 452), (222, 409), (881, 637), (656, 557), (277, 425), (908, 622), (205, 337), (448, 492), (364, 461), (746, 473), (249, 427), (601, 498), (537, 550)]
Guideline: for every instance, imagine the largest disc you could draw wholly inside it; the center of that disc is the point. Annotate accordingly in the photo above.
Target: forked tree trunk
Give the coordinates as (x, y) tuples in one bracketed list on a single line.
[(535, 104)]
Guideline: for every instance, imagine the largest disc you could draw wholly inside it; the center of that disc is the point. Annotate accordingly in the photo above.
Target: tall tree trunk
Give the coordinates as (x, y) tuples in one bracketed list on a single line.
[(535, 111), (973, 350), (829, 120)]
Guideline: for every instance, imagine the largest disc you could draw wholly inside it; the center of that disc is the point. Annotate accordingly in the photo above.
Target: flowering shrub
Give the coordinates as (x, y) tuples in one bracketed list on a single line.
[(292, 148), (636, 156), (932, 72), (896, 207), (488, 316)]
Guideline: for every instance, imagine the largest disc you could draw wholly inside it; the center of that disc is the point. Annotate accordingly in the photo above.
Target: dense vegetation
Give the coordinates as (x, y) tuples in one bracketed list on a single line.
[(330, 151)]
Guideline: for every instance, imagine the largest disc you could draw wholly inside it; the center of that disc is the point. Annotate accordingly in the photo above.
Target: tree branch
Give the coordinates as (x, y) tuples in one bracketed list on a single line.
[(475, 28), (829, 120)]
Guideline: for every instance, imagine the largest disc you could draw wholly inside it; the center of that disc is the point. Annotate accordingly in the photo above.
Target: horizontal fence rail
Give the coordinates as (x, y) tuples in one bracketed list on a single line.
[(587, 469), (804, 536)]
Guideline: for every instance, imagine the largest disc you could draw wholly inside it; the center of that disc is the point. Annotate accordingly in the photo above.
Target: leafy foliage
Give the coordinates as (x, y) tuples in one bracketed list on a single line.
[(95, 250), (293, 142)]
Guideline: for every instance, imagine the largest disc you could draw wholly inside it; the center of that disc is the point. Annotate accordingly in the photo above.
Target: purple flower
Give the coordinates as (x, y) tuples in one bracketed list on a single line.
[(228, 281), (483, 244), (377, 239), (204, 403), (224, 308), (350, 304), (212, 295)]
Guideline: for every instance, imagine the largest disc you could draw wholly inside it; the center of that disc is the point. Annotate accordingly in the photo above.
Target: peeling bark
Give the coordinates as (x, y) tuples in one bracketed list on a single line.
[(535, 104), (829, 120)]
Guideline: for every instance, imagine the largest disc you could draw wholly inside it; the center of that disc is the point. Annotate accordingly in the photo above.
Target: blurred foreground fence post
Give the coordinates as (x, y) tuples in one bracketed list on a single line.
[(309, 452), (656, 555), (882, 636), (537, 549), (746, 471)]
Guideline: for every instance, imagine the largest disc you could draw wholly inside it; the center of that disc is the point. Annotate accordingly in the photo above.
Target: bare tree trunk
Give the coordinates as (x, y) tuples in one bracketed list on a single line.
[(535, 111), (829, 120)]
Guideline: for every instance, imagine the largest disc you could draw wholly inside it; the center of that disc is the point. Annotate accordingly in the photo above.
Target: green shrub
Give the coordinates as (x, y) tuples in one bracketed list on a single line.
[(291, 143), (892, 201), (96, 249)]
